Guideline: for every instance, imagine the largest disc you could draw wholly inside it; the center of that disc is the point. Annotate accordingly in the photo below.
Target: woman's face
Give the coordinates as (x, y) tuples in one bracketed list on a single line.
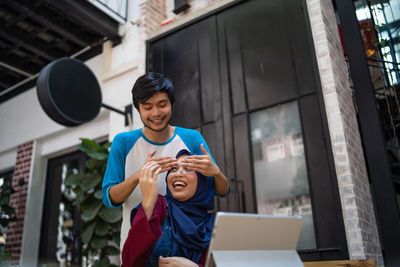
[(181, 183)]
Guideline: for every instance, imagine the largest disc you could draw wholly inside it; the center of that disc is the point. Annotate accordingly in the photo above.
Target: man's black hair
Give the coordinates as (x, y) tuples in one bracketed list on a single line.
[(148, 85)]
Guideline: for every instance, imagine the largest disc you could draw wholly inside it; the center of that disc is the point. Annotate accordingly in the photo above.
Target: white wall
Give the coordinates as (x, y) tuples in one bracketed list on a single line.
[(22, 119)]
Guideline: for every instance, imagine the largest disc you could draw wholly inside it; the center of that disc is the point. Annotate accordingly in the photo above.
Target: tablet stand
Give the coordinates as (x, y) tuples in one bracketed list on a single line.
[(255, 258)]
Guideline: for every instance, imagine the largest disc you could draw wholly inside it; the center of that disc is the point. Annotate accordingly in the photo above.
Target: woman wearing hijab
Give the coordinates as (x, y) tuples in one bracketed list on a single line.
[(173, 230)]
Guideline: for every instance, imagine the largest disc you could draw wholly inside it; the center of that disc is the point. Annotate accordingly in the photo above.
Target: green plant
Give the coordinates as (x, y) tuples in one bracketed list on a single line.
[(101, 225), (6, 212)]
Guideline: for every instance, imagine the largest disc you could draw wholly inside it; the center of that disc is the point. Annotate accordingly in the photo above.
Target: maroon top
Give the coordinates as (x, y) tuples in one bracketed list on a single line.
[(144, 234)]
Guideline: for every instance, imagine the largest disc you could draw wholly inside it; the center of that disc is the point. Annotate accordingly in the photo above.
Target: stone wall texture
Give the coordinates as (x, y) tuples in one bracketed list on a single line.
[(153, 13), (358, 210)]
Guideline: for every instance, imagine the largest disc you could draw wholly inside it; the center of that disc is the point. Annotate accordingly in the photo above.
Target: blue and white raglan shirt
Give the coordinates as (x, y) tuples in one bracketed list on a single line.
[(128, 154)]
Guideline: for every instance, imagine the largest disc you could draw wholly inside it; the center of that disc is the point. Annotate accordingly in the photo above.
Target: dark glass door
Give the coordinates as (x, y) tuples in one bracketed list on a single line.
[(60, 241)]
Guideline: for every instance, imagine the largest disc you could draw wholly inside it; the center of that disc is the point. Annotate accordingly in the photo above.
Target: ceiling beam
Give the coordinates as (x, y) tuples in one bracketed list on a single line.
[(87, 14), (19, 42), (47, 23), (3, 86), (24, 65), (14, 69)]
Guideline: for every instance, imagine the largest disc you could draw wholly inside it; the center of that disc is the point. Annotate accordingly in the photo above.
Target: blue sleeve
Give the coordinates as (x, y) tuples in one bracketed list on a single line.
[(115, 173)]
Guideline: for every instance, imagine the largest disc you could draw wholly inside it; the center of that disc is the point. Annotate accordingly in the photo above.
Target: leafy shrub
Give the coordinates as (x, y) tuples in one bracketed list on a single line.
[(101, 225), (6, 212)]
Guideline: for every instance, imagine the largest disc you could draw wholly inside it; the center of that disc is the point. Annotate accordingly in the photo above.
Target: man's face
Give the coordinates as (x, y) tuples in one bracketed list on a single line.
[(181, 183), (156, 112)]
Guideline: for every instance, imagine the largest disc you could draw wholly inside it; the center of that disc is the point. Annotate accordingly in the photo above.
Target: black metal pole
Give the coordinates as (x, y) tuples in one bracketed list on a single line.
[(113, 109), (373, 142), (127, 113)]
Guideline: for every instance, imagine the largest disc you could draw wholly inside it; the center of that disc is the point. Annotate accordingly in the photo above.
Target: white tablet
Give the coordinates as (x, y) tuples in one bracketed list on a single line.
[(243, 232)]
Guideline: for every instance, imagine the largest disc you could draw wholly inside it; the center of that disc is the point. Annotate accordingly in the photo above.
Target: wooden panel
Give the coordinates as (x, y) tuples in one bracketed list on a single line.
[(227, 134), (263, 53), (209, 132), (209, 76), (348, 263), (243, 164), (155, 61), (301, 50), (181, 65), (235, 64)]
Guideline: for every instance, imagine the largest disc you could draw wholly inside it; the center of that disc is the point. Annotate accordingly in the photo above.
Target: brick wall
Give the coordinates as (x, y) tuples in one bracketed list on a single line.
[(195, 5), (358, 211), (18, 200), (153, 13)]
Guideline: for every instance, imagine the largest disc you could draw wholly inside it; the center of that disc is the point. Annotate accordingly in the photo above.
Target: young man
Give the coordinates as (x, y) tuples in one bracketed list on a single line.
[(157, 141)]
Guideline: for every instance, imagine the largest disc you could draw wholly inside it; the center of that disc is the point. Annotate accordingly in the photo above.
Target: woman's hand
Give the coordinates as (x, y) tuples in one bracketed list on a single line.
[(175, 262), (148, 182)]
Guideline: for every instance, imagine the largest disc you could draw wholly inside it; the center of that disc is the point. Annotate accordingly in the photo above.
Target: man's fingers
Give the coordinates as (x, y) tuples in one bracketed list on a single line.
[(151, 154), (164, 160), (148, 165), (203, 149), (196, 168), (195, 161), (161, 158), (153, 167), (165, 169), (198, 157)]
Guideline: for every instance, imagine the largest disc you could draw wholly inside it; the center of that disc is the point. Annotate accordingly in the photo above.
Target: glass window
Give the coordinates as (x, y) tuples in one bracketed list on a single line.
[(66, 233), (280, 167), (381, 31), (6, 190), (60, 242)]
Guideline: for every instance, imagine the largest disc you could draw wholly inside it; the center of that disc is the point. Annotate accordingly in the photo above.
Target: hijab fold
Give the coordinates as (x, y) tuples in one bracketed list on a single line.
[(190, 220)]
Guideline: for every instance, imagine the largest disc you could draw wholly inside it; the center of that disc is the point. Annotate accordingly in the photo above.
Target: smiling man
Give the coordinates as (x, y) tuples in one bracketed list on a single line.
[(157, 141)]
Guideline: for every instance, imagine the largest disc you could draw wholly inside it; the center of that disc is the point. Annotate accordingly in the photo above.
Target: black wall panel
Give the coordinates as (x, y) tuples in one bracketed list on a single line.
[(248, 56), (259, 47), (302, 52), (327, 223), (243, 184)]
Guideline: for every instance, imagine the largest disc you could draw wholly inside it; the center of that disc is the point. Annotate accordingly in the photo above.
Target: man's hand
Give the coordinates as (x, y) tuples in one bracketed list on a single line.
[(206, 166), (148, 182), (175, 262), (201, 163), (120, 192), (164, 162)]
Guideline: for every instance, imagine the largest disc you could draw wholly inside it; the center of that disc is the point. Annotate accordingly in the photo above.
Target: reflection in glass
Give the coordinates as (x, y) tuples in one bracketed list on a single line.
[(66, 231), (280, 167)]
